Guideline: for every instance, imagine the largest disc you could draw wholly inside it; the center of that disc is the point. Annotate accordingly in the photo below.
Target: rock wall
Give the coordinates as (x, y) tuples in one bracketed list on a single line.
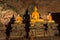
[(6, 14), (44, 6)]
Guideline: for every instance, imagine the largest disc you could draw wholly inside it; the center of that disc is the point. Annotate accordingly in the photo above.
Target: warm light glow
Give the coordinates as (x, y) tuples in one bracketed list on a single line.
[(49, 17), (18, 19), (35, 16)]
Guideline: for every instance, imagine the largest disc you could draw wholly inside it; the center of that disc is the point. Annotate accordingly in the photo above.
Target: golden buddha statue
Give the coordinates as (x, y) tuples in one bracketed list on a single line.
[(49, 17), (35, 17), (35, 14), (18, 19)]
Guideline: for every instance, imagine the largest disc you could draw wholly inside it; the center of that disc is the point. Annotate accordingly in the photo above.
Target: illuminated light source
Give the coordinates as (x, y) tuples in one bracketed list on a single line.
[(35, 16), (18, 19)]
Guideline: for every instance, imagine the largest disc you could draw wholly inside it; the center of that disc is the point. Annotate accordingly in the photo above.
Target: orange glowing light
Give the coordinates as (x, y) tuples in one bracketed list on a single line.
[(18, 19), (35, 14), (49, 17)]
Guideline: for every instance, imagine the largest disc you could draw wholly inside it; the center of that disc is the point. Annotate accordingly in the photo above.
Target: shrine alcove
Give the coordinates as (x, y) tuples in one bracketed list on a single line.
[(56, 17)]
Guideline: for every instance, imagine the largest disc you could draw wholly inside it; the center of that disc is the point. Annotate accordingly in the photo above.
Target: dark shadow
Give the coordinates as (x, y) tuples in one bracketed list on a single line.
[(56, 17), (46, 27), (26, 21), (8, 28), (40, 17)]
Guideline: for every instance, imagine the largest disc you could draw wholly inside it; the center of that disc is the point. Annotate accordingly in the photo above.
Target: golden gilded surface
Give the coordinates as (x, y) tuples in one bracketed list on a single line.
[(18, 19), (35, 16), (49, 17)]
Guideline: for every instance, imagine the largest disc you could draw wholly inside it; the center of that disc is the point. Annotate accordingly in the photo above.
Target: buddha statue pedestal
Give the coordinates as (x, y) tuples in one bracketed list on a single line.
[(2, 32), (18, 30), (52, 28), (37, 30)]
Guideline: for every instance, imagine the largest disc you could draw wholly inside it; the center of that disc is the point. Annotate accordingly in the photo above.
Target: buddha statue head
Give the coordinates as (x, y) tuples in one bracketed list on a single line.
[(35, 8)]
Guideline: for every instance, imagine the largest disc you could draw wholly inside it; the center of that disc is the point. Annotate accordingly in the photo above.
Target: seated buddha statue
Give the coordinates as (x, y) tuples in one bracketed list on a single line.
[(35, 17), (49, 17), (18, 19)]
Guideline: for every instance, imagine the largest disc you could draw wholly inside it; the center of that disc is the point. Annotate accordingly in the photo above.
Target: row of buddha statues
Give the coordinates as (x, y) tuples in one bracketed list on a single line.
[(35, 17)]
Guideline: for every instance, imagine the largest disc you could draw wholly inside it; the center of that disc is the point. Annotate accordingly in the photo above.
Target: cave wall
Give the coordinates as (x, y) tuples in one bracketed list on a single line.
[(44, 6)]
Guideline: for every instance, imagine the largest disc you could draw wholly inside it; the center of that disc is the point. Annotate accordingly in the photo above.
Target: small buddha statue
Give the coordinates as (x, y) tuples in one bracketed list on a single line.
[(18, 19), (49, 17)]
